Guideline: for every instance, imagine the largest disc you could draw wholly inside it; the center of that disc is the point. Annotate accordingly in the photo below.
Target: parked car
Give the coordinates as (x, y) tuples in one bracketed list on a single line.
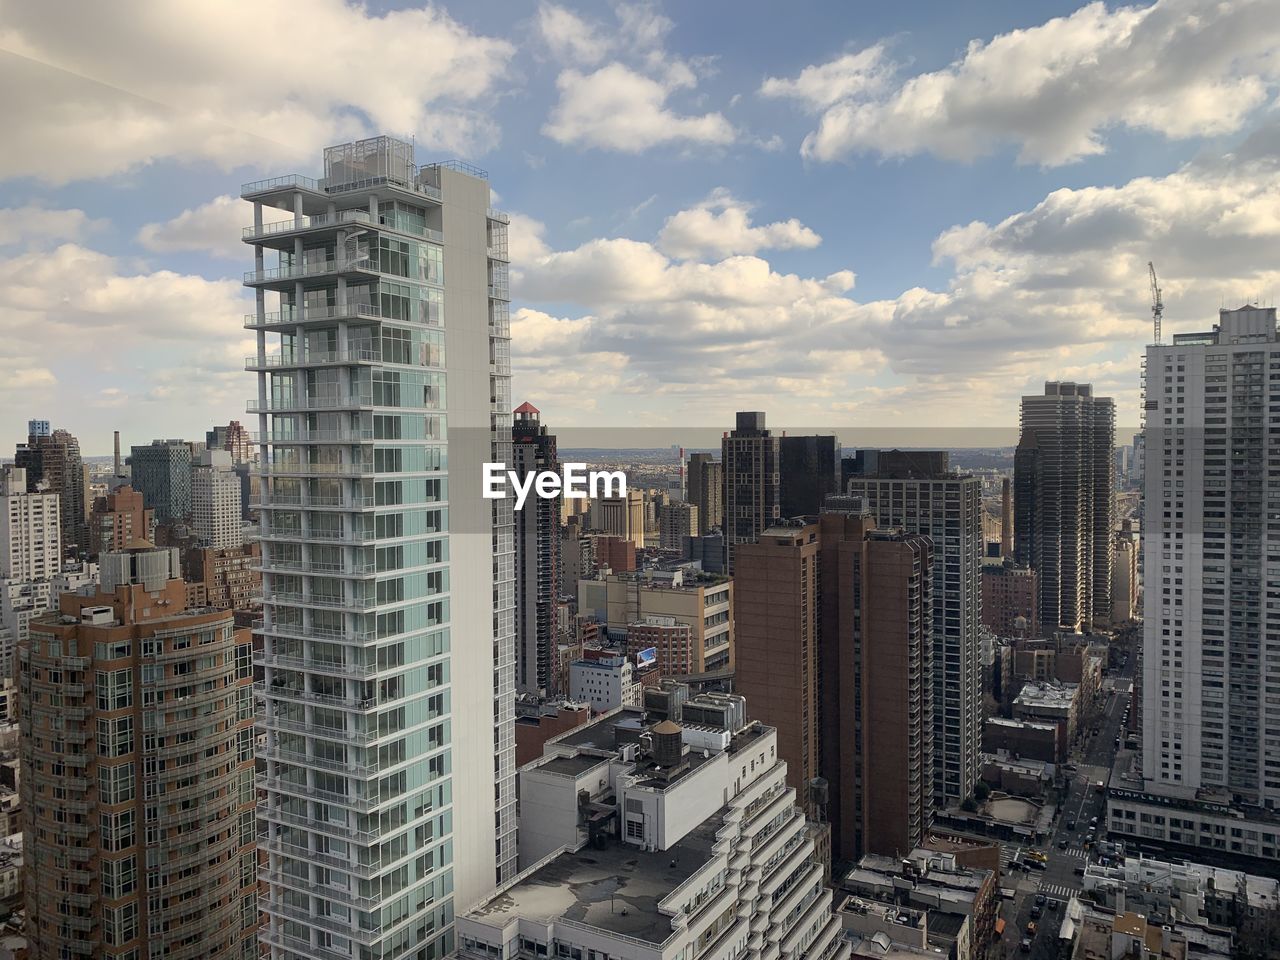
[(1035, 913), (1026, 945), (1041, 899), (1054, 904), (1031, 928)]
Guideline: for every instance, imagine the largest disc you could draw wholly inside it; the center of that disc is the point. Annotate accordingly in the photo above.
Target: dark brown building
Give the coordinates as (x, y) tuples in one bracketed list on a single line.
[(877, 691), (1009, 594), (118, 519), (776, 617)]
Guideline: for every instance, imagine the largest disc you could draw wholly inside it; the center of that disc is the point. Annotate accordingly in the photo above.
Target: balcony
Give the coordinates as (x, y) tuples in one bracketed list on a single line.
[(336, 358), (291, 273), (292, 181), (294, 535), (361, 569), (318, 314), (294, 695), (298, 404), (305, 223), (285, 469), (316, 600), (304, 791), (359, 737), (338, 831), (350, 435)]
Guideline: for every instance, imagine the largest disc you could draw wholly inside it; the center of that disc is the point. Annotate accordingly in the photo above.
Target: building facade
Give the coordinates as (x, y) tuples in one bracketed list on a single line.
[(161, 472), (388, 579), (137, 773), (118, 519), (1009, 595), (752, 485), (1064, 487), (537, 540), (706, 491), (918, 493), (53, 463), (808, 472), (676, 522), (215, 501), (30, 529), (1211, 554)]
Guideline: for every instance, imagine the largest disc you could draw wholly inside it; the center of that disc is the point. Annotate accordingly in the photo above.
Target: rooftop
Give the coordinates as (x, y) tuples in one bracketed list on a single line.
[(616, 889), (570, 766)]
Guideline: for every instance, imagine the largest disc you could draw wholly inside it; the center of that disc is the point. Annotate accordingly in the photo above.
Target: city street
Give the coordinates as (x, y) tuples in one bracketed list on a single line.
[(1081, 803)]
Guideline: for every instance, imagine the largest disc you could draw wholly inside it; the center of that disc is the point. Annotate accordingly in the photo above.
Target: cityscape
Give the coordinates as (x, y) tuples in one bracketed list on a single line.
[(511, 595)]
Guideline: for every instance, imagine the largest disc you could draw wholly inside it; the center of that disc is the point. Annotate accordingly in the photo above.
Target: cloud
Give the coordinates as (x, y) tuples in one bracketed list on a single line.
[(570, 38), (617, 108), (821, 85), (1179, 68), (212, 228), (36, 225), (721, 226), (1056, 290), (143, 80)]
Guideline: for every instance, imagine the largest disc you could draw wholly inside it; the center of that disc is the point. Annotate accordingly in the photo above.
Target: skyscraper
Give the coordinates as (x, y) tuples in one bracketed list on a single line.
[(161, 472), (776, 621), (215, 501), (808, 472), (137, 773), (1211, 555), (30, 542), (52, 458), (1063, 503), (676, 522), (919, 493), (706, 490), (752, 495), (537, 533), (388, 625), (876, 703)]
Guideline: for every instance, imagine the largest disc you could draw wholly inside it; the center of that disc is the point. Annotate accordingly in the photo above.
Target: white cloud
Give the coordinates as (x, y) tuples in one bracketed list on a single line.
[(1057, 290), (570, 38), (1180, 68), (142, 80), (821, 85), (212, 228), (617, 108), (721, 226), (33, 225)]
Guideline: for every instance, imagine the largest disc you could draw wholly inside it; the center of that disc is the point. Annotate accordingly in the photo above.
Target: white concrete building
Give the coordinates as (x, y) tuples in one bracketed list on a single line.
[(20, 601), (658, 843), (30, 541), (215, 501), (605, 684), (1211, 554), (386, 712)]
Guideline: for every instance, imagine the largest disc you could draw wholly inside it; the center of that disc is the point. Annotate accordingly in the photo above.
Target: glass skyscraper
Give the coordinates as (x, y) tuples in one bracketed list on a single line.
[(388, 652)]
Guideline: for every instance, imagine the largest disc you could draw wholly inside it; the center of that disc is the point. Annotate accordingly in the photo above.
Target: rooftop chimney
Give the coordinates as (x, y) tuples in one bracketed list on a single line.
[(117, 470)]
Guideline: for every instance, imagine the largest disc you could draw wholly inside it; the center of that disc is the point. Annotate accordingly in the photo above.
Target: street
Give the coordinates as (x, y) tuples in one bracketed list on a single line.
[(1080, 804)]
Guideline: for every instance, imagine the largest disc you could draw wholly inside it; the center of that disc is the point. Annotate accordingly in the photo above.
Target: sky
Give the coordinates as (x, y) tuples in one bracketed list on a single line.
[(872, 215)]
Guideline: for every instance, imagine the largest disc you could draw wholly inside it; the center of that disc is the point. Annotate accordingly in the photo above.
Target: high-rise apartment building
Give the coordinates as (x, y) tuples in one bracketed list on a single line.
[(676, 521), (1063, 503), (118, 519), (215, 501), (53, 464), (161, 472), (705, 482), (1211, 555), (137, 773), (30, 541), (752, 489), (777, 623), (808, 473), (388, 586), (537, 540), (1124, 581), (919, 493), (876, 682)]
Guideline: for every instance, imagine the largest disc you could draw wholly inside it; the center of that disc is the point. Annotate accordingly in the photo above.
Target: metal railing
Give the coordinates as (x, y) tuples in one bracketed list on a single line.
[(278, 183), (306, 223), (320, 268), (310, 403), (314, 360), (310, 314)]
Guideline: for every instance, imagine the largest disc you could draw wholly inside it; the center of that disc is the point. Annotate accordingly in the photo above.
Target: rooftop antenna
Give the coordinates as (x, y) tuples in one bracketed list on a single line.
[(1157, 301)]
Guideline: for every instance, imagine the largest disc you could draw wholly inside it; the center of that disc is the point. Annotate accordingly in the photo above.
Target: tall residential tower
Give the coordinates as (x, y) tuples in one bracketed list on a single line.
[(387, 700), (752, 487), (537, 538)]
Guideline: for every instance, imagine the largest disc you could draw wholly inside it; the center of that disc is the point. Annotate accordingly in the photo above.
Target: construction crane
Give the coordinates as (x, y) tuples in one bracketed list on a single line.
[(1157, 301)]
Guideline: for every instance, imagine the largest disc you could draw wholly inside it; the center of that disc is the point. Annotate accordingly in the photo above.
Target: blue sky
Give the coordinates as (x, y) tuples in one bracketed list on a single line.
[(848, 214)]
